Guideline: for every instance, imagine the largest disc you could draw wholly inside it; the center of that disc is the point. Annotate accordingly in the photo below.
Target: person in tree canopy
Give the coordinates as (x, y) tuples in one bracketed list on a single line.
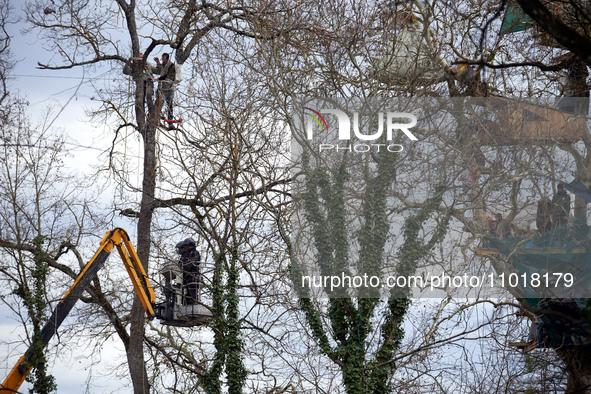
[(560, 206), (165, 82), (543, 215), (189, 264), (147, 76), (507, 230)]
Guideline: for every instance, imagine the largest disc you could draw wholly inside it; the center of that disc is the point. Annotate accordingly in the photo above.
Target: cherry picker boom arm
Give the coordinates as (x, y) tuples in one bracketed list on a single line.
[(113, 238)]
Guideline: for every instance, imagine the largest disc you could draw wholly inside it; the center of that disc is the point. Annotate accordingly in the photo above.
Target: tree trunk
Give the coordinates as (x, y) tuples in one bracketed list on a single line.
[(577, 361), (135, 353)]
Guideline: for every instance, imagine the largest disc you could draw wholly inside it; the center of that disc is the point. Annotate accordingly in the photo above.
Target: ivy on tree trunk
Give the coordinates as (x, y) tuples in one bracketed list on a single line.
[(34, 299), (350, 318), (226, 326)]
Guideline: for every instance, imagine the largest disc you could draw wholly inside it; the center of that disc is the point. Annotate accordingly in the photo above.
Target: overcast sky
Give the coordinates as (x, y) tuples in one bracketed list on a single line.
[(68, 93)]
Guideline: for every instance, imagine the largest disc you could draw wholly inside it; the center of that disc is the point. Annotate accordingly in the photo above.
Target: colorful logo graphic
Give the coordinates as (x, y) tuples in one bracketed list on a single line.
[(318, 115), (345, 126)]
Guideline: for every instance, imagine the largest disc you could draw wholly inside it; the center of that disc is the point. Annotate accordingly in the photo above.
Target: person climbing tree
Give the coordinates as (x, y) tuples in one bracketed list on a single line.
[(147, 77), (164, 94)]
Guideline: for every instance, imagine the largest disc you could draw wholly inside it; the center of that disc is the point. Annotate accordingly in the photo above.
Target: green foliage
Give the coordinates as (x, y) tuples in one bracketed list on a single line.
[(414, 249), (34, 299), (212, 378), (235, 370), (350, 318), (226, 326)]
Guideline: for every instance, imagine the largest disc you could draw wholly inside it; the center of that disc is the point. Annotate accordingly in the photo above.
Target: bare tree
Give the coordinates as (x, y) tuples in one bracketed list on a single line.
[(147, 29), (222, 174)]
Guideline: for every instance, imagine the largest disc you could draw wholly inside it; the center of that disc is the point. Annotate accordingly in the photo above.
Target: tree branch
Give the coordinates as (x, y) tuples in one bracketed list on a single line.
[(97, 59), (562, 33), (158, 203)]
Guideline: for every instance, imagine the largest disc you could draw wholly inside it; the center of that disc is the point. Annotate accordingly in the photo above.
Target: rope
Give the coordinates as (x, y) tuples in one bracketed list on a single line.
[(126, 131), (358, 333)]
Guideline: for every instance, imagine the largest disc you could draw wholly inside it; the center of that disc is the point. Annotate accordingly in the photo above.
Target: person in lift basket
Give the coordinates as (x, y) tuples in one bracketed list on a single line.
[(189, 265)]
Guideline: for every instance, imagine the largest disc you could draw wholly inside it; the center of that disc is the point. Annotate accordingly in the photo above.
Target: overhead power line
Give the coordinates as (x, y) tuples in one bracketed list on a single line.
[(101, 76)]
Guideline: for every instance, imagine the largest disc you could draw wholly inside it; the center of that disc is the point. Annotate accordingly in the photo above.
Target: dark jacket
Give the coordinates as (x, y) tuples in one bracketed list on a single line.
[(167, 75), (545, 208), (189, 263), (561, 204)]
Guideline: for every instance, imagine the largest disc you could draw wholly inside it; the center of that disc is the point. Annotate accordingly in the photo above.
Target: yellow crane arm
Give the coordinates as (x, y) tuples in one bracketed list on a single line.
[(113, 238)]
